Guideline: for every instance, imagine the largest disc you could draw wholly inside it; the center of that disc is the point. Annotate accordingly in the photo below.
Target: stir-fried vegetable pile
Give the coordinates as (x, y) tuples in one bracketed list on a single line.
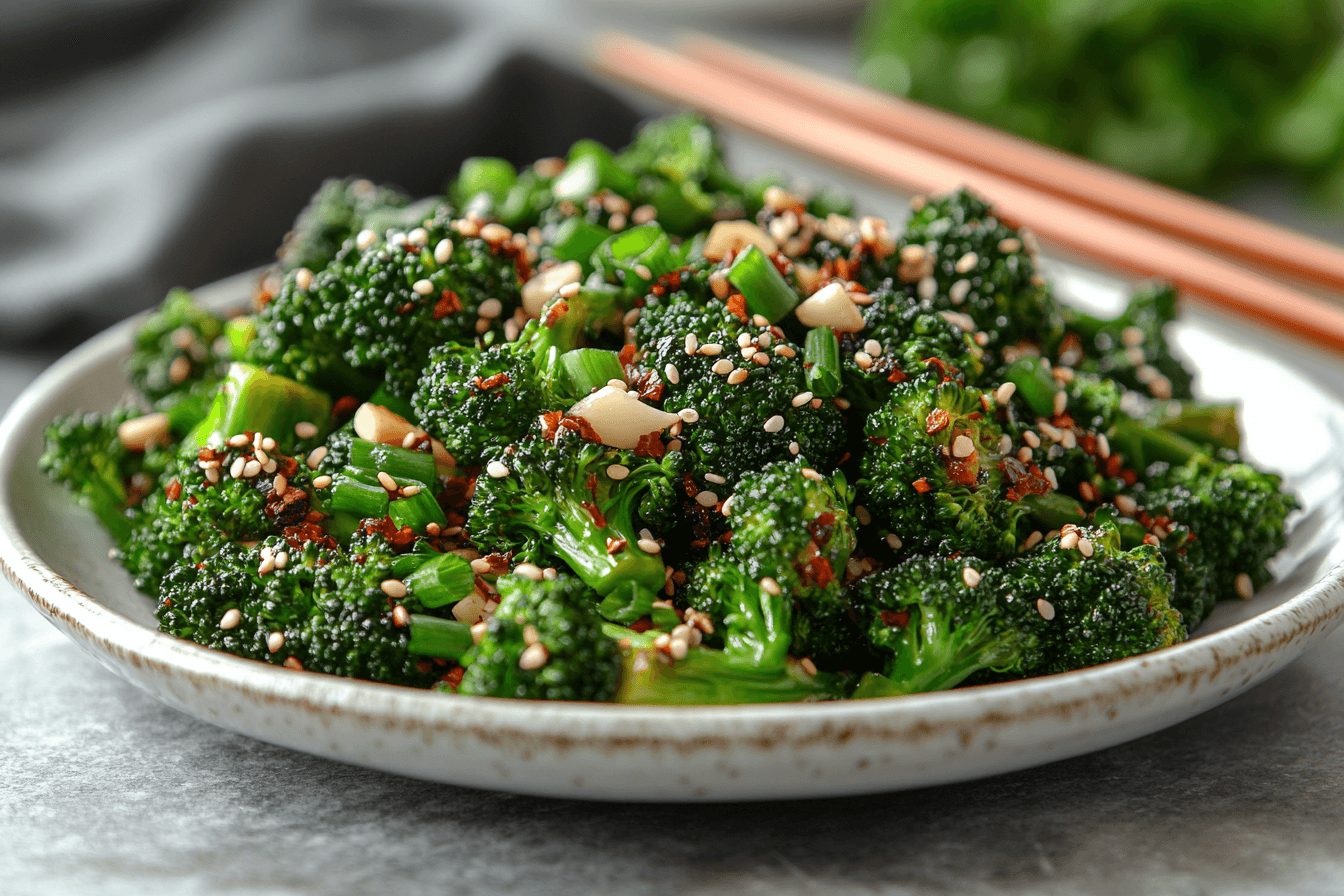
[(625, 427)]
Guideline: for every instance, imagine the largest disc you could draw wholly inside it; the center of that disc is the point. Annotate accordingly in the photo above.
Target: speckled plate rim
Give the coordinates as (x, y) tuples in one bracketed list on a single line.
[(649, 753)]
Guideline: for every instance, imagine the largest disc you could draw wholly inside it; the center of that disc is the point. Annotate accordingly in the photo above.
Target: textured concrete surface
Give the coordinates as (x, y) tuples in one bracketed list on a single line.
[(104, 792)]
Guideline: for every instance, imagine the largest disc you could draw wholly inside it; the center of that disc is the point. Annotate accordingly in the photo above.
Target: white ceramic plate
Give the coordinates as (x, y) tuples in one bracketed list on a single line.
[(57, 555)]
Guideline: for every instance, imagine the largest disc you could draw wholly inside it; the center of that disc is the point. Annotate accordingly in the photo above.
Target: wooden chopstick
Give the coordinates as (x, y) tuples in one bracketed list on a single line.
[(1120, 244), (1247, 240)]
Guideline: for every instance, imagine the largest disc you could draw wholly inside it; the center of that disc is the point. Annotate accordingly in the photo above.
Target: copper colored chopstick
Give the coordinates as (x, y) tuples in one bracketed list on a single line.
[(1246, 239), (1120, 244)]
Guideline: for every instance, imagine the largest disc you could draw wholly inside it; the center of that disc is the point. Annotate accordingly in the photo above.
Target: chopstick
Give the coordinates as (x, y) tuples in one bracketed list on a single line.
[(1248, 240), (1122, 245)]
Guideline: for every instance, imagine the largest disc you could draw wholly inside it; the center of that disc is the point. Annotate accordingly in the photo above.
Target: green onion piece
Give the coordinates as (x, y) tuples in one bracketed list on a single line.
[(352, 496), (1035, 383), (683, 208), (576, 240), (240, 331), (1053, 510), (417, 511), (591, 168), (821, 360), (588, 369), (441, 581), (761, 284), (399, 463), (444, 638), (664, 618), (636, 257), (252, 400), (486, 175)]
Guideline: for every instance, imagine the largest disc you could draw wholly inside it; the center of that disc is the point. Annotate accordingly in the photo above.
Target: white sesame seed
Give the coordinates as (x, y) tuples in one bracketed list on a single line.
[(689, 415), (794, 448), (893, 541), (410, 491), (865, 518), (722, 366), (409, 440), (305, 430), (1005, 392), (212, 475), (443, 251), (1103, 446), (282, 559), (1068, 541), (418, 237), (280, 484), (927, 288), (231, 619), (958, 291), (738, 376), (966, 262), (785, 351), (386, 481), (1160, 387), (365, 239), (1131, 336), (809, 473), (1005, 443), (962, 446), (480, 566), (274, 641), (322, 482), (1068, 439), (569, 290), (534, 657), (727, 507), (239, 440), (1061, 402), (1244, 586), (422, 287), (801, 399), (1046, 609), (649, 546), (774, 424), (496, 470), (1033, 539), (1087, 491), (1052, 478), (490, 309), (251, 469), (316, 456), (691, 343), (674, 445), (617, 472), (495, 233), (863, 359), (394, 588), (765, 339), (401, 617), (1085, 547), (673, 375), (1031, 439), (261, 455), (236, 468), (771, 587), (711, 349), (303, 278), (970, 575), (715, 478), (1024, 454), (529, 571), (706, 499), (760, 359), (1126, 505), (743, 340)]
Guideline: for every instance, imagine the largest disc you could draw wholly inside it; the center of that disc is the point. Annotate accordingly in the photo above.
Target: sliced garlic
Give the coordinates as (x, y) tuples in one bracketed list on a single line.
[(831, 307), (543, 287), (620, 419), (734, 236)]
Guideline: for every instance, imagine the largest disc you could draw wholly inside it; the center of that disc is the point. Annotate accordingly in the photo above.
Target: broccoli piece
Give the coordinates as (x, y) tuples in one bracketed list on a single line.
[(545, 642), (335, 214), (978, 266), (555, 496), (678, 165), (907, 333), (689, 306), (1132, 349), (176, 348), (321, 610), (714, 677), (85, 454), (1225, 521), (251, 400)]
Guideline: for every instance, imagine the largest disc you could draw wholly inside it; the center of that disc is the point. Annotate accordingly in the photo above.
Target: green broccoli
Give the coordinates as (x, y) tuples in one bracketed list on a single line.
[(1132, 349), (335, 214), (177, 347)]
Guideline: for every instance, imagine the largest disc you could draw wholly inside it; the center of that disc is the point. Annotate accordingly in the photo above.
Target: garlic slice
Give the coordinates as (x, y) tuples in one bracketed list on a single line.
[(620, 419), (734, 236), (543, 287), (831, 307)]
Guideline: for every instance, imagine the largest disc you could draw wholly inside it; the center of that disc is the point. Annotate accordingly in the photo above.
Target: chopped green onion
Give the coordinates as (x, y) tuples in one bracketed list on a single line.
[(490, 176), (367, 501), (636, 257), (240, 331), (441, 581), (1035, 383), (821, 360), (417, 511), (1053, 509), (401, 464), (761, 284), (588, 369), (576, 240), (444, 638), (252, 400), (591, 168)]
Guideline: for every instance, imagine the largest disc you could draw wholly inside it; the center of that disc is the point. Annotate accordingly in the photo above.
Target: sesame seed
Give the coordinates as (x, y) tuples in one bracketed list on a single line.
[(303, 278), (1131, 336), (801, 399), (1068, 541), (236, 468), (1052, 478), (1046, 609), (365, 239), (231, 619), (480, 566), (1024, 454), (418, 237), (293, 662), (760, 359), (529, 571), (1005, 392), (534, 657), (674, 445), (1031, 439), (1160, 387), (387, 481), (711, 348), (794, 448), (863, 359), (715, 478), (958, 291), (617, 472), (1135, 356), (727, 507), (765, 339), (691, 343), (1244, 586), (643, 272), (966, 262), (962, 446), (409, 440), (410, 491), (706, 499), (1103, 446), (1069, 440), (251, 469), (239, 440), (673, 375), (927, 288), (1033, 539), (274, 641), (815, 403), (1061, 402), (785, 351), (401, 617), (496, 470), (530, 634), (865, 518), (774, 424), (280, 484), (305, 430), (1085, 547), (179, 370), (568, 291), (490, 309), (649, 546), (1087, 491), (1126, 505), (738, 376), (282, 559), (495, 233), (842, 403), (316, 456), (722, 366), (443, 251), (394, 588), (970, 575), (212, 475), (322, 482), (422, 287), (689, 415), (771, 587), (743, 340), (893, 541), (809, 473), (261, 456), (435, 528), (1005, 443)]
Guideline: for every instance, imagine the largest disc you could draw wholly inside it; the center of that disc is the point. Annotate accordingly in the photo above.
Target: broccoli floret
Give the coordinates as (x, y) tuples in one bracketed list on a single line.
[(1132, 349), (906, 334), (321, 610), (690, 307), (335, 214), (980, 267), (1235, 517), (549, 497), (679, 169), (545, 642), (176, 348), (84, 453), (932, 472)]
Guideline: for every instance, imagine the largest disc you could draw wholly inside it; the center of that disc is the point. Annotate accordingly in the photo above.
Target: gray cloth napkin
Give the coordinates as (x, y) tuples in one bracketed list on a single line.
[(155, 143)]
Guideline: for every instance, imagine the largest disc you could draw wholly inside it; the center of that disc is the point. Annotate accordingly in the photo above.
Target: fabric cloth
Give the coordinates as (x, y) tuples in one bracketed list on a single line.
[(156, 143)]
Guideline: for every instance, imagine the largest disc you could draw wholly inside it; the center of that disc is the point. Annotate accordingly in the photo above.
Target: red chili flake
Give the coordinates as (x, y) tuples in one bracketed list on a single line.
[(173, 490), (937, 421), (1129, 477), (453, 677), (737, 306), (557, 311), (897, 376), (191, 499), (641, 625), (298, 536), (598, 519), (550, 423), (206, 453), (582, 427), (922, 486), (894, 618), (819, 572), (962, 470), (945, 370), (398, 538), (490, 382), (402, 309), (650, 445), (689, 484), (424, 666), (1023, 479), (627, 355), (878, 440), (649, 386), (616, 545), (699, 543), (345, 406), (592, 485), (822, 527), (448, 303)]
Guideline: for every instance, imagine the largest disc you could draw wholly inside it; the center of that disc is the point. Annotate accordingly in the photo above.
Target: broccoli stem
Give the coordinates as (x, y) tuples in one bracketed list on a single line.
[(399, 463), (707, 676), (1034, 383), (443, 638), (441, 581), (636, 258), (252, 400), (761, 284), (584, 546)]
